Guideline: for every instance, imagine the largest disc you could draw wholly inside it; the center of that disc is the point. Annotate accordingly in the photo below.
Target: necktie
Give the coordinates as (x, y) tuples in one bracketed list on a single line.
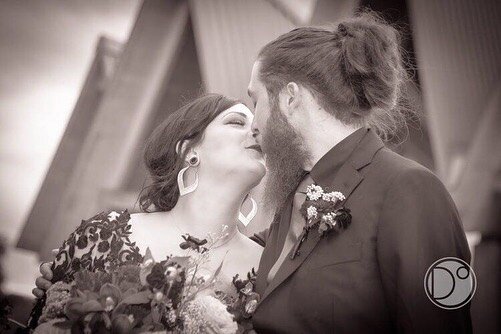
[(296, 225)]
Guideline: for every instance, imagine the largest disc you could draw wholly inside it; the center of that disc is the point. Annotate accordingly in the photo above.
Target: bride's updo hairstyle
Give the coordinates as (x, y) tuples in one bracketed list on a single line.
[(185, 125), (354, 70)]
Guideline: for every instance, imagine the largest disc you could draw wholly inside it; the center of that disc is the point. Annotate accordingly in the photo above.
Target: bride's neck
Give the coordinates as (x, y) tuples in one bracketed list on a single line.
[(208, 208)]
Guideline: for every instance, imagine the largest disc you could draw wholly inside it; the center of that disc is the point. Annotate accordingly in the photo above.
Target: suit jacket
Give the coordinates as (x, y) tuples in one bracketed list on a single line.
[(368, 278)]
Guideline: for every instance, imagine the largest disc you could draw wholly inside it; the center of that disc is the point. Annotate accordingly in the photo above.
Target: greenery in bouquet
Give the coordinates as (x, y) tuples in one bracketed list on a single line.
[(168, 296), (245, 303)]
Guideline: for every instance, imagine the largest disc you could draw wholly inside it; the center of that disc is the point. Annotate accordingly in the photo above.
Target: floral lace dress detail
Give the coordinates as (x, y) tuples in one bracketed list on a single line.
[(98, 244)]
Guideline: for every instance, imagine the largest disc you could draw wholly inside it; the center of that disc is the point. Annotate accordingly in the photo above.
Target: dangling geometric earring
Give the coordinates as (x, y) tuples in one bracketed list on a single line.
[(183, 190), (245, 220)]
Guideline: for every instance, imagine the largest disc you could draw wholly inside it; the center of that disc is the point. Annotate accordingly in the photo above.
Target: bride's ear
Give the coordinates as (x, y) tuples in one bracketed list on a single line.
[(181, 149), (181, 146)]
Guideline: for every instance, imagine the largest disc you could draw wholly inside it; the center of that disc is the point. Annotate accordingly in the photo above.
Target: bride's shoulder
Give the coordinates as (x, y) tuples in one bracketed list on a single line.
[(104, 225), (143, 218), (108, 217), (97, 243)]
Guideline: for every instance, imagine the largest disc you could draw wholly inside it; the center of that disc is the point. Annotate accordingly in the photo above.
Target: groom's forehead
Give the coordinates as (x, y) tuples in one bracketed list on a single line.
[(250, 88), (249, 91), (252, 91), (253, 79)]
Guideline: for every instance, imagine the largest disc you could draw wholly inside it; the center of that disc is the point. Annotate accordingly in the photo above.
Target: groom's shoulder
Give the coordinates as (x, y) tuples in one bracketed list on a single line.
[(402, 171), (387, 158)]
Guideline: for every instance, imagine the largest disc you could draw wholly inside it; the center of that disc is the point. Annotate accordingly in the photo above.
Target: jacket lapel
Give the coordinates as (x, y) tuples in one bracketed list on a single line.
[(267, 262), (345, 181)]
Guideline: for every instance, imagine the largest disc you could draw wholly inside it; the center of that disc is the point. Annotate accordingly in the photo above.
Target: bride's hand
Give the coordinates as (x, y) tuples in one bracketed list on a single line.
[(43, 282)]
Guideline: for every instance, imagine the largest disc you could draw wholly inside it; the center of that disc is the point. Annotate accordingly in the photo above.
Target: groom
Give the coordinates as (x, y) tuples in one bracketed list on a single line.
[(320, 97)]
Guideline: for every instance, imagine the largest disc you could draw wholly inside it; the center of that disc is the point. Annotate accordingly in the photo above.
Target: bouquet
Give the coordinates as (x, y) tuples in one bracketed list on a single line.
[(169, 296)]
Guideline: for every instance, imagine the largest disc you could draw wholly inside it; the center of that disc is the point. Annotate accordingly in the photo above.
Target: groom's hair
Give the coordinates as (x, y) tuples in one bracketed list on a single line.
[(162, 155), (355, 71)]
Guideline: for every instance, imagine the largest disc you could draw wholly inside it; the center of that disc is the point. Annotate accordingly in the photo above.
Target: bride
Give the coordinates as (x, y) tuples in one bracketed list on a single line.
[(203, 161)]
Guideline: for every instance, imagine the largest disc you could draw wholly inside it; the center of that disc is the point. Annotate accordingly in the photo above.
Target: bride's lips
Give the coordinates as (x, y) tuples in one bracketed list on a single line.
[(256, 148)]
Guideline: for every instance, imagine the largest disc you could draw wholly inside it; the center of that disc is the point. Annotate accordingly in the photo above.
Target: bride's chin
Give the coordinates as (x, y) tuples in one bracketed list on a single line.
[(259, 168), (252, 174), (257, 173)]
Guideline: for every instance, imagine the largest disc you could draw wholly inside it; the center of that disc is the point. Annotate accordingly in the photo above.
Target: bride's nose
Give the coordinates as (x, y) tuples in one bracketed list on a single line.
[(254, 128), (254, 132), (252, 136)]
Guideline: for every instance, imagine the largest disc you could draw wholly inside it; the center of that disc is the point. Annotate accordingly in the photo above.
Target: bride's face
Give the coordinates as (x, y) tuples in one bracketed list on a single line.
[(229, 149)]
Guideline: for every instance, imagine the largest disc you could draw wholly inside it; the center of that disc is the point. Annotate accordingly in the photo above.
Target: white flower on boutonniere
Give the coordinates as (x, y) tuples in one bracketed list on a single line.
[(314, 192), (338, 195), (322, 210), (329, 217), (327, 197), (312, 212), (333, 196)]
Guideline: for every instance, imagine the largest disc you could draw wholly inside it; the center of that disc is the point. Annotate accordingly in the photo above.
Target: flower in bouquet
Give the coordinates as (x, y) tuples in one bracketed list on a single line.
[(85, 280), (91, 310), (113, 301), (245, 305), (126, 277), (57, 297), (207, 314)]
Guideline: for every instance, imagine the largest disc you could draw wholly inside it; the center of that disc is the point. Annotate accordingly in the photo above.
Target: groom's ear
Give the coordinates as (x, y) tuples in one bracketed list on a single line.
[(291, 97)]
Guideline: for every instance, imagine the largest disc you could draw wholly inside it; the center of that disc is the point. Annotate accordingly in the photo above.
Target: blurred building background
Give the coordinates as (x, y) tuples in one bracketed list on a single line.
[(88, 155)]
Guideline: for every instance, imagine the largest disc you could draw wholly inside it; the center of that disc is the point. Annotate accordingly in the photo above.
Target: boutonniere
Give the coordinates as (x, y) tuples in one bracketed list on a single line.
[(324, 211)]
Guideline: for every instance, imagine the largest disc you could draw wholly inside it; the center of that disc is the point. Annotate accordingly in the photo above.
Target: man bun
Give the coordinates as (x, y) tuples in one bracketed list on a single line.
[(370, 62)]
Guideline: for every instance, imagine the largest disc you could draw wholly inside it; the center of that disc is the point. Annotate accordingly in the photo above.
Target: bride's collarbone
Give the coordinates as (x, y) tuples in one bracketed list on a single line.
[(148, 231), (242, 256)]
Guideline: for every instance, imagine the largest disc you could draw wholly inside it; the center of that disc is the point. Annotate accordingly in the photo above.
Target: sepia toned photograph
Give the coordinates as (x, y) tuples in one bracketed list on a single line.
[(250, 166)]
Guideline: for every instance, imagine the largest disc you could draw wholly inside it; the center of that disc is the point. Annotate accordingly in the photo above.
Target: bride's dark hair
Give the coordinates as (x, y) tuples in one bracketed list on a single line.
[(355, 70), (185, 125)]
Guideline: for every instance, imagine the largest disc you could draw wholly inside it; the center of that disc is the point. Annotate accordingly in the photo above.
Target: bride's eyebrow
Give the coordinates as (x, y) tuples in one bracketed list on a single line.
[(235, 112)]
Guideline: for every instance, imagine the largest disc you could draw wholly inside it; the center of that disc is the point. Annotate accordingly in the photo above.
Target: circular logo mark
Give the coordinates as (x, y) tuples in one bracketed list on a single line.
[(450, 283)]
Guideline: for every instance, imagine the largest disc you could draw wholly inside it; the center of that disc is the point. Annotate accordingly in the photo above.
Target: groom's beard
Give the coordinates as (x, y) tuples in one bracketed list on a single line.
[(285, 158)]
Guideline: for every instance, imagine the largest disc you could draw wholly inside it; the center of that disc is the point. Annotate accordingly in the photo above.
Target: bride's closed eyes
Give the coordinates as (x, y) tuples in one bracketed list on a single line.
[(235, 119)]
